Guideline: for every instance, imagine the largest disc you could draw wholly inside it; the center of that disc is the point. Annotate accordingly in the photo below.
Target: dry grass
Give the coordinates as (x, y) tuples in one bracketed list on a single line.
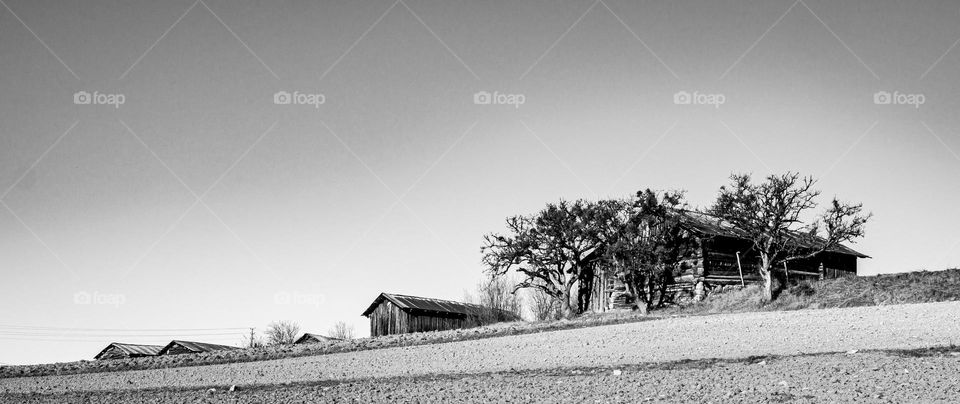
[(911, 287)]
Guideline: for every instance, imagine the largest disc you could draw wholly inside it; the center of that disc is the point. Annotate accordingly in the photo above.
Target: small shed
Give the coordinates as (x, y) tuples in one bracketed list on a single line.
[(117, 350), (309, 338), (176, 347), (392, 313)]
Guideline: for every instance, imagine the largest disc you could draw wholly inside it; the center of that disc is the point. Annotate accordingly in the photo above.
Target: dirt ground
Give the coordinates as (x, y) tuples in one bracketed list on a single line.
[(545, 363), (881, 377)]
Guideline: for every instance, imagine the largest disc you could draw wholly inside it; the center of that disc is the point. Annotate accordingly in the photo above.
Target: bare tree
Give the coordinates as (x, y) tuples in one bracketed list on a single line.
[(282, 332), (497, 296), (555, 250), (543, 306), (646, 242), (770, 216), (341, 330)]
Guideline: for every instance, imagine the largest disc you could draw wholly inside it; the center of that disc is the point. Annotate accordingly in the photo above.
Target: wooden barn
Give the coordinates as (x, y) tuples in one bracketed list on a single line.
[(118, 350), (309, 338), (176, 347), (399, 314), (724, 257)]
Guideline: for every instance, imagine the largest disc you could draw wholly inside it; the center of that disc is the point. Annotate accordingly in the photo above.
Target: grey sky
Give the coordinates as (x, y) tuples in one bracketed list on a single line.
[(302, 202)]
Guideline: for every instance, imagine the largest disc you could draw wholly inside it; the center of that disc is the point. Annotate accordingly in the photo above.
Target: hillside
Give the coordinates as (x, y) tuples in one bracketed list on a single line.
[(878, 290), (914, 287), (722, 340)]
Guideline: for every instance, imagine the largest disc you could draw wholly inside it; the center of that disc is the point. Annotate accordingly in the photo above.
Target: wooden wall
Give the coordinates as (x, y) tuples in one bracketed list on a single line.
[(720, 263), (388, 319)]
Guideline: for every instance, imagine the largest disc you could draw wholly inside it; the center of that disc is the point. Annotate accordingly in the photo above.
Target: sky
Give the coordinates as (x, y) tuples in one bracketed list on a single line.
[(189, 169)]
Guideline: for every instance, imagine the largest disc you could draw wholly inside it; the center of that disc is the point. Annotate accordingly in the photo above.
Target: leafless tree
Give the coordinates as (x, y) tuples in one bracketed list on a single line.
[(341, 330), (770, 215), (496, 295), (555, 250), (282, 332), (543, 306)]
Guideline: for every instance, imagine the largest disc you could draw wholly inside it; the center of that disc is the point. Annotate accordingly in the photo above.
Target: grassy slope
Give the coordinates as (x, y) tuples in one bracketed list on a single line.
[(911, 287)]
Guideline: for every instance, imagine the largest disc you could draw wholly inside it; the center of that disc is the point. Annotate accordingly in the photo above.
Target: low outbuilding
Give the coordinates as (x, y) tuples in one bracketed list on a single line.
[(117, 350), (309, 338), (392, 313), (176, 347)]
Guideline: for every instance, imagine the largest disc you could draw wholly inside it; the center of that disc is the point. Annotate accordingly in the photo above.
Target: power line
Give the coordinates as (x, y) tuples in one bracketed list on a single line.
[(46, 334), (46, 339), (70, 329)]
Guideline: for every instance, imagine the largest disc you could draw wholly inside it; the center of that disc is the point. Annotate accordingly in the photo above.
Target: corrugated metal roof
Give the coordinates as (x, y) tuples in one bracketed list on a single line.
[(307, 336), (705, 223), (133, 349), (196, 346), (408, 303)]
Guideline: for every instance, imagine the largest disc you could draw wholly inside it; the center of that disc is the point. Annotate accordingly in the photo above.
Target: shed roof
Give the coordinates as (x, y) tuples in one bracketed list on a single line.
[(132, 349), (306, 336), (196, 346), (408, 303), (706, 223)]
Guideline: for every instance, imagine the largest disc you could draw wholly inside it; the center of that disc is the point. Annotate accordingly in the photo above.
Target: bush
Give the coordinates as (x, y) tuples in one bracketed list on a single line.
[(802, 289)]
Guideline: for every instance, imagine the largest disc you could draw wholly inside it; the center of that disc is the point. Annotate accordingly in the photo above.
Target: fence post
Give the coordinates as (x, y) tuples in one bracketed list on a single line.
[(739, 268)]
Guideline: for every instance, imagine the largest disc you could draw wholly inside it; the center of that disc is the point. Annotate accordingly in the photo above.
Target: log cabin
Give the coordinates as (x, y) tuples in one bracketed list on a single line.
[(724, 257)]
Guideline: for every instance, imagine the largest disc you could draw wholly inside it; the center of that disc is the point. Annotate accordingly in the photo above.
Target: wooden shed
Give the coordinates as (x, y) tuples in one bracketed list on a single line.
[(309, 338), (399, 314), (117, 350), (176, 347)]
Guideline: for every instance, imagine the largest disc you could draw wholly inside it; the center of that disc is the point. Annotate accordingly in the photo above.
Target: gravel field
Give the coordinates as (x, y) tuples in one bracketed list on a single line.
[(858, 377), (721, 336)]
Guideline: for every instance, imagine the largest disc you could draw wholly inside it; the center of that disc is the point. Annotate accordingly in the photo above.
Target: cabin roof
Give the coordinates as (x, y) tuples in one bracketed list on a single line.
[(314, 336), (408, 303), (705, 223), (133, 349), (196, 346)]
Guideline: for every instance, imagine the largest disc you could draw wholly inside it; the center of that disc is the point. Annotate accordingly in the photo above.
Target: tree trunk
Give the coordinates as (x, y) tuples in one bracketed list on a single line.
[(767, 286), (767, 276)]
